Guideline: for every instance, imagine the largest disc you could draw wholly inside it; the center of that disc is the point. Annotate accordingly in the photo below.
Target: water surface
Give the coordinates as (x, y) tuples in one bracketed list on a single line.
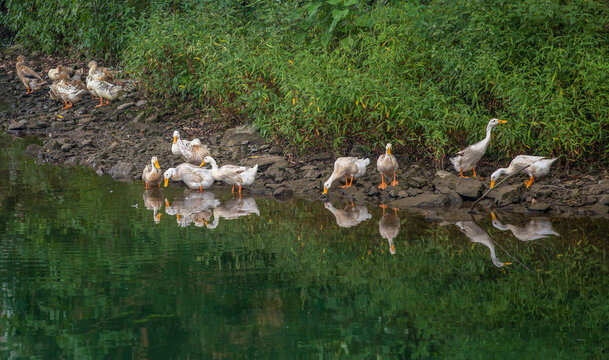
[(93, 268)]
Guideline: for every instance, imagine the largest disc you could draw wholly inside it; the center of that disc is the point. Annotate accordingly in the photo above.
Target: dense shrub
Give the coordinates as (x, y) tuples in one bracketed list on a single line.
[(426, 75)]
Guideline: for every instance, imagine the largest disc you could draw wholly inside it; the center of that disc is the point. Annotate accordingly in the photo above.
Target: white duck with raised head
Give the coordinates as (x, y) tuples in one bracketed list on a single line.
[(467, 158)]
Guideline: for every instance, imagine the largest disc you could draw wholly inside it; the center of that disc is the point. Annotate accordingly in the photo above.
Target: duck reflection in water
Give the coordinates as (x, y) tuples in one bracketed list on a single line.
[(234, 209), (193, 207), (536, 229), (476, 234), (350, 216), (153, 200), (389, 226)]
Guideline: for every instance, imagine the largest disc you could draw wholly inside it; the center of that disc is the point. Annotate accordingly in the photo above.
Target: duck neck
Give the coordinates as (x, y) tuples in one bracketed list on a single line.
[(213, 164)]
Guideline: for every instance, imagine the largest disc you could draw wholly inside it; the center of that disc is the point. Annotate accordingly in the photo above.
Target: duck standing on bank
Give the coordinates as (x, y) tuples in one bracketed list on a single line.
[(152, 174), (68, 91), (100, 85), (467, 158), (349, 167), (28, 76), (232, 174), (387, 165), (56, 72), (537, 166)]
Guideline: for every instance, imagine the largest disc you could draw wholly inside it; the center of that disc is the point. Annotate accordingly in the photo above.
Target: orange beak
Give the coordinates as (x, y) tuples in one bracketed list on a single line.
[(175, 139), (492, 184), (203, 163), (166, 182), (325, 191), (493, 216), (389, 151), (501, 121), (166, 202), (156, 163)]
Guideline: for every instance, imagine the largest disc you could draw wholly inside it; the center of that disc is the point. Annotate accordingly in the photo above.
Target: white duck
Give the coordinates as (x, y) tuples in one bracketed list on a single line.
[(152, 174), (193, 176), (69, 92), (350, 215), (178, 143), (467, 158), (232, 174), (536, 229), (387, 165), (537, 166), (349, 167), (54, 73)]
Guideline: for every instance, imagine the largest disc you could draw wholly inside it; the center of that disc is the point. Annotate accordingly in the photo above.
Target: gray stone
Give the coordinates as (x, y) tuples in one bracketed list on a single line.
[(141, 103), (468, 189), (428, 200), (33, 150), (241, 134), (265, 161), (121, 170), (507, 194), (604, 200), (599, 209), (124, 106), (86, 142), (321, 156), (17, 125), (283, 192), (539, 206), (66, 147), (416, 181), (276, 150)]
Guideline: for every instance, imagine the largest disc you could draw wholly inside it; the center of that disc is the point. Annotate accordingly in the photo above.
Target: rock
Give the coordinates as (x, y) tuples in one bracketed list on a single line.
[(414, 191), (121, 170), (403, 194), (33, 150), (141, 103), (604, 200), (321, 156), (51, 145), (86, 142), (599, 209), (283, 192), (539, 206), (66, 147), (468, 189), (312, 174), (139, 116), (416, 182), (276, 150), (124, 106), (428, 200), (240, 135), (17, 125), (508, 194), (265, 161)]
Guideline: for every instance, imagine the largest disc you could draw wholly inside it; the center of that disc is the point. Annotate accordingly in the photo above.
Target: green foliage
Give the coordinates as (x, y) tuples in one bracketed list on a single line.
[(331, 73)]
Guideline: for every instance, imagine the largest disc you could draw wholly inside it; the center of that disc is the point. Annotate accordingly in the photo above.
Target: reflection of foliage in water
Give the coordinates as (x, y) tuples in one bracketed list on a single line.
[(86, 275)]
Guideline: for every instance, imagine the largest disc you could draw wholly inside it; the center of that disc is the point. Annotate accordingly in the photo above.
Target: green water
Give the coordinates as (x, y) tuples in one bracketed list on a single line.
[(89, 272)]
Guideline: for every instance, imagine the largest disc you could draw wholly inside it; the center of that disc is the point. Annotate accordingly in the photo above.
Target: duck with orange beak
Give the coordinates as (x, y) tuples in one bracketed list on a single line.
[(152, 174), (387, 165)]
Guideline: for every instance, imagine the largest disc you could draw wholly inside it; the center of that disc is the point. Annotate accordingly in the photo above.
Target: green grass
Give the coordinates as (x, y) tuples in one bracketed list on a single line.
[(425, 75)]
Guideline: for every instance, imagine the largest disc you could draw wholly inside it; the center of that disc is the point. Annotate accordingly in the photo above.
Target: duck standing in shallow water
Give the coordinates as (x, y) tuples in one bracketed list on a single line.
[(193, 176), (467, 158), (537, 166), (152, 174), (28, 76), (232, 174), (387, 165), (349, 167)]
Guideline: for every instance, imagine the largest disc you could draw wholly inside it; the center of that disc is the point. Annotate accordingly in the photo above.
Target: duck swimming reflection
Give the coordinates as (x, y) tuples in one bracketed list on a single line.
[(350, 215), (476, 234), (389, 226), (153, 200), (234, 209), (194, 207), (536, 229)]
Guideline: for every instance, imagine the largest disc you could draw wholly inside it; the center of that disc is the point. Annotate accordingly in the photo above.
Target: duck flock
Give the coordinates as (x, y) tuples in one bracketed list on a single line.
[(69, 88)]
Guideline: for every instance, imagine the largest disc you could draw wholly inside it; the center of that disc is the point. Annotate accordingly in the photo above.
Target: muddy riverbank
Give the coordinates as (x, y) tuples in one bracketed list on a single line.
[(120, 138)]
